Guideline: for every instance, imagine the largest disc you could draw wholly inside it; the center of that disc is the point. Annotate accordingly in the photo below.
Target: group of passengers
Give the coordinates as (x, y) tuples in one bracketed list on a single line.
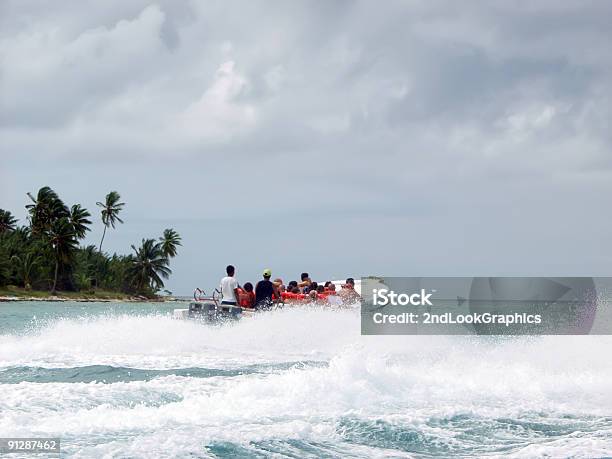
[(268, 292)]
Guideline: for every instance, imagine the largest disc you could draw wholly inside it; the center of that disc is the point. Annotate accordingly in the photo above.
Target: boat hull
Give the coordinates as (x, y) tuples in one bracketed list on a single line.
[(210, 312)]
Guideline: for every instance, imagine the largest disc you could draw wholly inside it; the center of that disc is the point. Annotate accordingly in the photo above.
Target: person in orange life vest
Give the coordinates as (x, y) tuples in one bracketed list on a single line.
[(247, 296), (291, 285), (330, 288), (280, 287), (321, 294), (293, 295)]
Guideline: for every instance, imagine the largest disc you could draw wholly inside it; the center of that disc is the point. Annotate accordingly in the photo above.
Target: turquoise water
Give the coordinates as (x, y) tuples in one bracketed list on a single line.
[(126, 380)]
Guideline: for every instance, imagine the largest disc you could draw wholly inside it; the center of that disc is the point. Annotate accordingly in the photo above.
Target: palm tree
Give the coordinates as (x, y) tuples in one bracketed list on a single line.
[(83, 281), (64, 242), (25, 265), (45, 209), (93, 263), (169, 242), (7, 221), (110, 212), (79, 220), (148, 267)]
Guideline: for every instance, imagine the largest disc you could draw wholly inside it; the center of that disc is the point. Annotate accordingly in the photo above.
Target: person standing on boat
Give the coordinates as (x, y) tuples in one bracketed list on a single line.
[(229, 287), (265, 290)]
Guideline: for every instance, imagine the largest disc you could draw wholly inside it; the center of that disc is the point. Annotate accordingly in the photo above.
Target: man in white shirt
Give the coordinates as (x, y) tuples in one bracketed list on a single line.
[(229, 287)]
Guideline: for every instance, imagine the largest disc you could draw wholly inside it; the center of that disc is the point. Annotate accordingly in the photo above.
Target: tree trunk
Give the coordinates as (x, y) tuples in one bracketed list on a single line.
[(103, 234), (53, 292)]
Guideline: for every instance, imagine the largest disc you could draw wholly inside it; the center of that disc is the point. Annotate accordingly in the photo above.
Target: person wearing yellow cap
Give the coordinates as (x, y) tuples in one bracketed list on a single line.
[(264, 291)]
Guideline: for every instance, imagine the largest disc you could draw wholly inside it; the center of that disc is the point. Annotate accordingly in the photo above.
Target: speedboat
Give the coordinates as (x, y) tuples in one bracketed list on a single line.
[(210, 309)]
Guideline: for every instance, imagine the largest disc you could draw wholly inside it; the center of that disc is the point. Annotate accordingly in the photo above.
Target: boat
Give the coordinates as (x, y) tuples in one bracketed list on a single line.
[(210, 309)]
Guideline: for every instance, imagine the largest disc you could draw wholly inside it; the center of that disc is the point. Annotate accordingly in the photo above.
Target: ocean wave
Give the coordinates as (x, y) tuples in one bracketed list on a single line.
[(302, 382)]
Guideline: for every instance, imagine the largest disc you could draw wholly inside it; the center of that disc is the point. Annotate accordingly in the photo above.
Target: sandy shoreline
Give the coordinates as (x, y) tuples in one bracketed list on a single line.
[(90, 300)]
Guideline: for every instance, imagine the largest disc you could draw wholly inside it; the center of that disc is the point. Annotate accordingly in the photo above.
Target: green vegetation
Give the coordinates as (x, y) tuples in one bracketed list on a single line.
[(46, 255), (97, 295), (110, 212)]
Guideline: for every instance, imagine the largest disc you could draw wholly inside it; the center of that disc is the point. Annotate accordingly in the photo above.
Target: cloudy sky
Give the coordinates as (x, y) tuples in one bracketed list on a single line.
[(341, 138)]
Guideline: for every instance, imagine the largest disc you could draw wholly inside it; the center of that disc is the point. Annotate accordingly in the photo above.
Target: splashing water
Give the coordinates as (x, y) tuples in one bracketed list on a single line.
[(129, 381)]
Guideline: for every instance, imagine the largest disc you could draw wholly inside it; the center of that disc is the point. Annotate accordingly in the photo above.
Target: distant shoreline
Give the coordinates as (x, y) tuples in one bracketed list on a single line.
[(11, 295), (51, 299)]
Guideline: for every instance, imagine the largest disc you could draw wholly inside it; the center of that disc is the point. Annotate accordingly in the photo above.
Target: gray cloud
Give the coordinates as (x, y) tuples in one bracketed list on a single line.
[(411, 132)]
